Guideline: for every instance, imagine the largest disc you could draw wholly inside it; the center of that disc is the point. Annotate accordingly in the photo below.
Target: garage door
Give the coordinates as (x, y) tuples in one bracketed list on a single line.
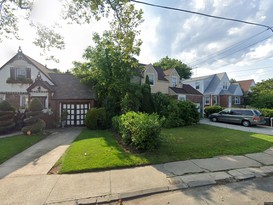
[(76, 113)]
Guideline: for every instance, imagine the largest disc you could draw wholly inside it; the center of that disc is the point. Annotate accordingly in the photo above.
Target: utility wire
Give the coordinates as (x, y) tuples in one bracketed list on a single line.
[(204, 59), (202, 14)]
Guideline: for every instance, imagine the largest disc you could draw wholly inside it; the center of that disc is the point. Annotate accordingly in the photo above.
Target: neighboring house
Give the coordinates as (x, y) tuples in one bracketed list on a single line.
[(23, 78), (168, 82), (246, 85), (217, 90)]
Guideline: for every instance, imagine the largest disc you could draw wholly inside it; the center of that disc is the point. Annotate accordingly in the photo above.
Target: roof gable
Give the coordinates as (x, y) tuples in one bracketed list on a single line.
[(246, 84)]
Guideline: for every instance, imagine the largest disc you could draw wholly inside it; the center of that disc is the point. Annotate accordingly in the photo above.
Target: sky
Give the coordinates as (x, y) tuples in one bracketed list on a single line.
[(207, 45)]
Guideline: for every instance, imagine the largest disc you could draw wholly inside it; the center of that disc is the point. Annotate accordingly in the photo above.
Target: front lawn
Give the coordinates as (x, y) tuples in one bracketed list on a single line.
[(11, 146), (93, 150)]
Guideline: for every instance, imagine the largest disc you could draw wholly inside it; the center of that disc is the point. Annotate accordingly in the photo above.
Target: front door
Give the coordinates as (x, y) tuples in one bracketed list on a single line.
[(229, 101), (76, 113)]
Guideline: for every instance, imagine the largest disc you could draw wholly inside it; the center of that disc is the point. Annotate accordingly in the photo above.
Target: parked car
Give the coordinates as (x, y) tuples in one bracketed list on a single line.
[(245, 117)]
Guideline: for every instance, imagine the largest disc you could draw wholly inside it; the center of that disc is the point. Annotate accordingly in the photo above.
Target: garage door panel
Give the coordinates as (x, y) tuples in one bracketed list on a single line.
[(76, 113)]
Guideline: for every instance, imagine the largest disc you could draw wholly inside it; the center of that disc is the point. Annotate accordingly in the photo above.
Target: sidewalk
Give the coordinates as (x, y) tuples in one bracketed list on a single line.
[(29, 183)]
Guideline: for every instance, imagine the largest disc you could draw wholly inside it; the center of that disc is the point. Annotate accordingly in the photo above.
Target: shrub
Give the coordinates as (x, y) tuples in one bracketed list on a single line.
[(267, 112), (33, 123), (6, 116), (161, 103), (212, 109), (140, 130), (115, 123), (180, 113), (96, 118)]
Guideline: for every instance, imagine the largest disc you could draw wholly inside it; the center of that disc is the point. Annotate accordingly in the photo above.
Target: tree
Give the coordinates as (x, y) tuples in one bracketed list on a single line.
[(109, 72), (232, 80), (262, 94), (183, 70), (125, 18)]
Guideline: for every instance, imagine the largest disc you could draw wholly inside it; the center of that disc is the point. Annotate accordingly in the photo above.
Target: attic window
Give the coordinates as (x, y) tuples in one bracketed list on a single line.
[(225, 85), (20, 75), (151, 78), (174, 81), (197, 85)]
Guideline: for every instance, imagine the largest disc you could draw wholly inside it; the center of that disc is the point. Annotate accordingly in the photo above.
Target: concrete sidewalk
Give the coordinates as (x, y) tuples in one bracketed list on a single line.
[(24, 179)]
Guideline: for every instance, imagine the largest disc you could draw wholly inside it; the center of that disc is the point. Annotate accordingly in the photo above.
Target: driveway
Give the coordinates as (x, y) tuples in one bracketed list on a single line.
[(39, 158), (256, 129)]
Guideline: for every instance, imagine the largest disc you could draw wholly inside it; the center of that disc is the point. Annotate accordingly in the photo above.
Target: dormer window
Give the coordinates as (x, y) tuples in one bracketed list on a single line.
[(225, 85), (197, 85), (151, 77), (174, 81), (20, 75)]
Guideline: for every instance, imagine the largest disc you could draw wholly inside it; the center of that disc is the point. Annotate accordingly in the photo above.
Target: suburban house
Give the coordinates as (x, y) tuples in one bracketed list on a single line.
[(217, 90), (22, 78), (168, 82), (246, 85)]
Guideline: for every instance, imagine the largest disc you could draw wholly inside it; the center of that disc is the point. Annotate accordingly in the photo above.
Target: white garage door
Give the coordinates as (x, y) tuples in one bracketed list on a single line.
[(76, 113)]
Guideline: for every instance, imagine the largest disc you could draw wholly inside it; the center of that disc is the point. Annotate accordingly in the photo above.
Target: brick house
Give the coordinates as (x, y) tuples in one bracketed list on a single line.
[(218, 90), (168, 82), (22, 78)]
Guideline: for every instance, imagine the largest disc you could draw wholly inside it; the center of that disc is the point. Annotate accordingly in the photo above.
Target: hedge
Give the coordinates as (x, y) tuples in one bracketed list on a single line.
[(212, 109)]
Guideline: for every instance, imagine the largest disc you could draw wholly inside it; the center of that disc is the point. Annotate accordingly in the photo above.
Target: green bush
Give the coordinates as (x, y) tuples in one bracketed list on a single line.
[(5, 106), (35, 105), (140, 130), (267, 112), (6, 116), (115, 123), (180, 113), (161, 103), (212, 109), (33, 123), (95, 116), (38, 126)]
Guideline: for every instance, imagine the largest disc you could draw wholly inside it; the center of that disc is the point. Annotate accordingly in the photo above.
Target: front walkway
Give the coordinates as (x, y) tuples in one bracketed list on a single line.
[(26, 182)]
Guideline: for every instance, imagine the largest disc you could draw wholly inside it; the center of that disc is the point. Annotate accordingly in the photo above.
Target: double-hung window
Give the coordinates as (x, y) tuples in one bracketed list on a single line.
[(174, 81), (151, 77)]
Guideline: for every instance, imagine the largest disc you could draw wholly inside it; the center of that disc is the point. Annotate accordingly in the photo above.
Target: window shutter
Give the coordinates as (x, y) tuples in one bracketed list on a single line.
[(28, 73), (12, 73)]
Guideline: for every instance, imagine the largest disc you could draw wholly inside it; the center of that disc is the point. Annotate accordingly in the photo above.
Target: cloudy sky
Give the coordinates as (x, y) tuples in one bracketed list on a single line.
[(208, 45)]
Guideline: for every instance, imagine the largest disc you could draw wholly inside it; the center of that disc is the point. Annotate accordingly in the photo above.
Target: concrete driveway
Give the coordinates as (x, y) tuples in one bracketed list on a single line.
[(256, 129), (39, 158)]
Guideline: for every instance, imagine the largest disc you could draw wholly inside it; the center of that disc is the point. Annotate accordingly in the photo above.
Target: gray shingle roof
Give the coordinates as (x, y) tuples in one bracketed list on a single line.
[(69, 87), (186, 89), (160, 73)]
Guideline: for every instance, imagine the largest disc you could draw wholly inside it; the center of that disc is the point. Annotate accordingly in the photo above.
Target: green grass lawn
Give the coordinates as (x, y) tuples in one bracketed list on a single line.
[(93, 150), (11, 146)]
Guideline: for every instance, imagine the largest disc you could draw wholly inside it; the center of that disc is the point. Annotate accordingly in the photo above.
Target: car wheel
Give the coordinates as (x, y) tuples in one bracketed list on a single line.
[(246, 123), (214, 119)]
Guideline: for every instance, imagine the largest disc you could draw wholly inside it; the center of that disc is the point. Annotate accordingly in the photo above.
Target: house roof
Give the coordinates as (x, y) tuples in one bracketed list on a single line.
[(186, 89), (20, 55), (245, 84), (68, 87), (214, 82), (41, 83), (160, 73)]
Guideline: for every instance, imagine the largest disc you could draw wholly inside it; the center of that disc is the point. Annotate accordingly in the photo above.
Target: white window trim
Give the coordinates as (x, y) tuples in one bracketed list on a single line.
[(174, 84), (237, 100), (197, 84), (151, 74), (2, 97), (207, 97), (215, 100), (181, 97), (225, 85), (21, 101)]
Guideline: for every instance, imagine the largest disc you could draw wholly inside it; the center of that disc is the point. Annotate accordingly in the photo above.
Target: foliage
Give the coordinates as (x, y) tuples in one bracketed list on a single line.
[(96, 118), (93, 150), (6, 116), (33, 122), (183, 70), (146, 101), (180, 113), (20, 80), (161, 103), (64, 115), (262, 94), (109, 72), (125, 21), (140, 130), (212, 109), (232, 80), (132, 99), (266, 112)]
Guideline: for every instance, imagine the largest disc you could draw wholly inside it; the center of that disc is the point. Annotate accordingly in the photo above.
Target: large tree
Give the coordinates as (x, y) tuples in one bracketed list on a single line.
[(183, 70), (261, 95), (124, 19)]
